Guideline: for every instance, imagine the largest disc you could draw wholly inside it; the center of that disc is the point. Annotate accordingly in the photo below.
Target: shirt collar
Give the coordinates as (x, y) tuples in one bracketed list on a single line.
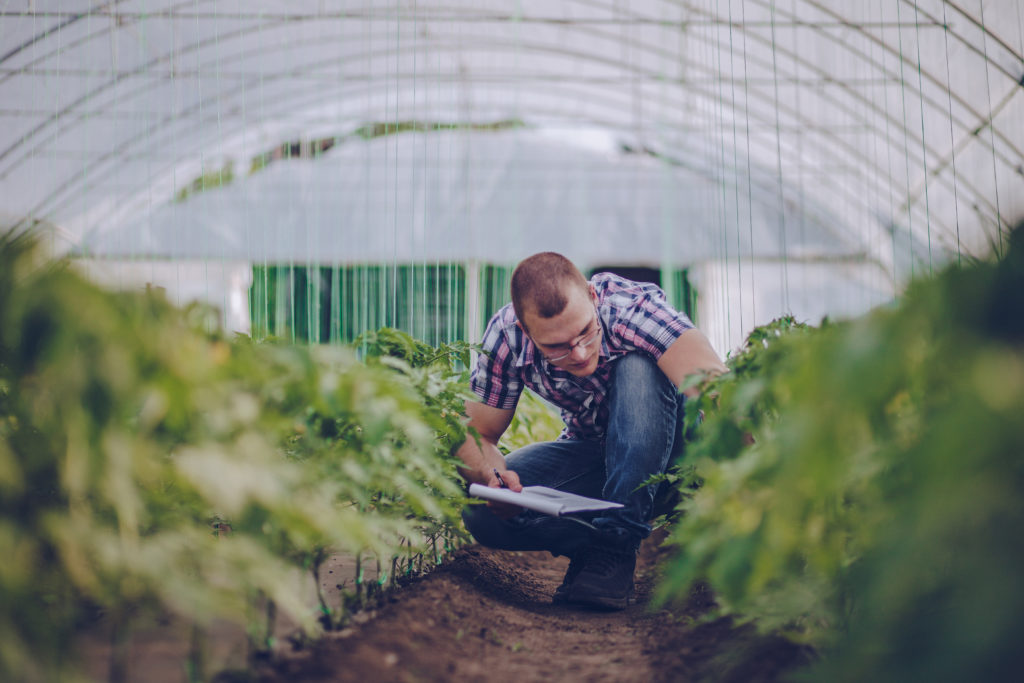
[(529, 353)]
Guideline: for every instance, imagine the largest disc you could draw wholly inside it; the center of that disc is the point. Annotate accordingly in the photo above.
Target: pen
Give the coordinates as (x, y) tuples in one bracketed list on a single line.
[(500, 480)]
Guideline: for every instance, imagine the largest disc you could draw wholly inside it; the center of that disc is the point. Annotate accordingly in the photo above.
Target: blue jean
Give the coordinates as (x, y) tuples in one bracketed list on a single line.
[(644, 433)]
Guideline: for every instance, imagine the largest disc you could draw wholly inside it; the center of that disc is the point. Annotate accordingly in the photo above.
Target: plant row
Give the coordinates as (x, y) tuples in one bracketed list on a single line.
[(151, 465), (861, 484)]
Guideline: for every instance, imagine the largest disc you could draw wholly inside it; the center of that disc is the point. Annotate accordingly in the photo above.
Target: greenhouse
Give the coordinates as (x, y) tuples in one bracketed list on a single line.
[(248, 256)]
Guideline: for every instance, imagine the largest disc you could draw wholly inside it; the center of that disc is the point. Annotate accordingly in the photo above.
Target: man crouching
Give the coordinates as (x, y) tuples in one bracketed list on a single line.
[(611, 354)]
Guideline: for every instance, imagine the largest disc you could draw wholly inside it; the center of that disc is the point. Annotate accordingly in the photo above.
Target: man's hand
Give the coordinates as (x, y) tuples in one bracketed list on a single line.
[(511, 480)]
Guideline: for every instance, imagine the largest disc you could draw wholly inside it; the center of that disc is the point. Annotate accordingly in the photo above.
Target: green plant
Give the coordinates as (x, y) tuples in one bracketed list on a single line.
[(207, 180), (534, 421), (127, 430), (876, 510)]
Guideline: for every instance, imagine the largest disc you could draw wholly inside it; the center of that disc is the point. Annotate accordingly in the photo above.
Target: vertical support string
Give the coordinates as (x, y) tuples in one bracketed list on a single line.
[(901, 64), (735, 153), (991, 129), (778, 168), (393, 317), (202, 152), (889, 179), (924, 148), (952, 140), (719, 113), (875, 173), (800, 153), (750, 188), (225, 282), (246, 155)]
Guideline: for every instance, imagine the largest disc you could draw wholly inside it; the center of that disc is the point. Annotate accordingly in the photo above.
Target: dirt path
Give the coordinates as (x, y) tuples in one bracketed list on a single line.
[(488, 615)]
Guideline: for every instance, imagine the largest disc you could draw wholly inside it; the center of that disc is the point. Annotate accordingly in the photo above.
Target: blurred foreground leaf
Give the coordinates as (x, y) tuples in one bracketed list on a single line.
[(879, 510)]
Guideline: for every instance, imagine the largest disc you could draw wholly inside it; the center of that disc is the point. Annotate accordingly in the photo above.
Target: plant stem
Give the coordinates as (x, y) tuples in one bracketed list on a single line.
[(119, 639), (271, 619), (359, 579), (196, 664)]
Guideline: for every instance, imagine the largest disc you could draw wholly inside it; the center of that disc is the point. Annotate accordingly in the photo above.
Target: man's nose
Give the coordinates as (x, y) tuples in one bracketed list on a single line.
[(579, 352)]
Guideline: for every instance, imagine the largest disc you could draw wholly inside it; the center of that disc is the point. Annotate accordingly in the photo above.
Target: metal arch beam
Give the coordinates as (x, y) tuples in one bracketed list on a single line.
[(983, 121), (477, 16), (984, 29), (66, 47), (54, 118), (937, 106), (897, 122), (913, 195), (709, 173), (798, 118), (767, 190), (221, 37), (840, 191), (859, 27), (987, 122), (109, 156), (634, 20), (199, 45), (935, 80), (71, 18), (291, 102), (388, 53)]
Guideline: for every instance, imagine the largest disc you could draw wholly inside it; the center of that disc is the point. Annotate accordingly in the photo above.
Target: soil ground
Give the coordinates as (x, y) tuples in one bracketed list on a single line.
[(487, 615)]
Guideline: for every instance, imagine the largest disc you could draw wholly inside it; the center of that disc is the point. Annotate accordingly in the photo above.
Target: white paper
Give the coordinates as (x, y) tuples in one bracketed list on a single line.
[(543, 499)]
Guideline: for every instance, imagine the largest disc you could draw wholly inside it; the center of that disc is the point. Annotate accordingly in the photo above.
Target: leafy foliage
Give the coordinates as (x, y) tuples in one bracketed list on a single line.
[(879, 508), (128, 435), (534, 421), (207, 180)]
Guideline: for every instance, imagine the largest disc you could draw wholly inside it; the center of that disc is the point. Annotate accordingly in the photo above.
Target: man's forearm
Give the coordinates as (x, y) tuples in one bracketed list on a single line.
[(479, 457)]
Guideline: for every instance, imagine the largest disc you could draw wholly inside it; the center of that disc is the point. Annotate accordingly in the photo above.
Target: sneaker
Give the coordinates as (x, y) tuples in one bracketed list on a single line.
[(562, 592), (605, 580)]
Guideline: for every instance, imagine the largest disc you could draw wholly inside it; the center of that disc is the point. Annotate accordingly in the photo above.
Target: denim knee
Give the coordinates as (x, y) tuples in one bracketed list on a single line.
[(638, 376), (642, 393)]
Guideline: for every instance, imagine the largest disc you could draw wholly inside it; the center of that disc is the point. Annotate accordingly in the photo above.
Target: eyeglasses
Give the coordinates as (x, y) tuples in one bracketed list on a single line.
[(581, 343)]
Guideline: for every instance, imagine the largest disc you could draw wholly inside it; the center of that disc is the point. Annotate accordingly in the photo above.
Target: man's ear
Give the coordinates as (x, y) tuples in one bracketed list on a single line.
[(593, 293), (526, 331), (521, 323)]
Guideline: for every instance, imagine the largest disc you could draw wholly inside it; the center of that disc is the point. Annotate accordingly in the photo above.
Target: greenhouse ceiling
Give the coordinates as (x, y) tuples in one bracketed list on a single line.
[(885, 131)]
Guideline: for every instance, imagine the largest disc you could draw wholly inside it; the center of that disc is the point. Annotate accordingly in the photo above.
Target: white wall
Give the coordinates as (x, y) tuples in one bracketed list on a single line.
[(734, 298), (222, 284)]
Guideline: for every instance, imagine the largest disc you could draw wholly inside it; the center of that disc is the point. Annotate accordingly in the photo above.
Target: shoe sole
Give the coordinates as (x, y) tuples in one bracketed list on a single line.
[(606, 602)]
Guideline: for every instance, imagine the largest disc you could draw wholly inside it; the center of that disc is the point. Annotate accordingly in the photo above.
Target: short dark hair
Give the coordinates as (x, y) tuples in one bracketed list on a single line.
[(542, 282)]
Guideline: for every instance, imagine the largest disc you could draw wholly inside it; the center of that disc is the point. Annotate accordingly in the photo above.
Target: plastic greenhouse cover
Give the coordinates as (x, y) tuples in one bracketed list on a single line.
[(903, 118), (461, 196)]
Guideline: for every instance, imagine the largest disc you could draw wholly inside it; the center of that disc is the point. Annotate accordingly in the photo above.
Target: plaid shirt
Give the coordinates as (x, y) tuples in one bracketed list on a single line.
[(634, 317)]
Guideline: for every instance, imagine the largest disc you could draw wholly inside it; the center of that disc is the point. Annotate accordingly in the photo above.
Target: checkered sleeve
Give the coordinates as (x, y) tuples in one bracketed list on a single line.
[(645, 320), (494, 377)]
